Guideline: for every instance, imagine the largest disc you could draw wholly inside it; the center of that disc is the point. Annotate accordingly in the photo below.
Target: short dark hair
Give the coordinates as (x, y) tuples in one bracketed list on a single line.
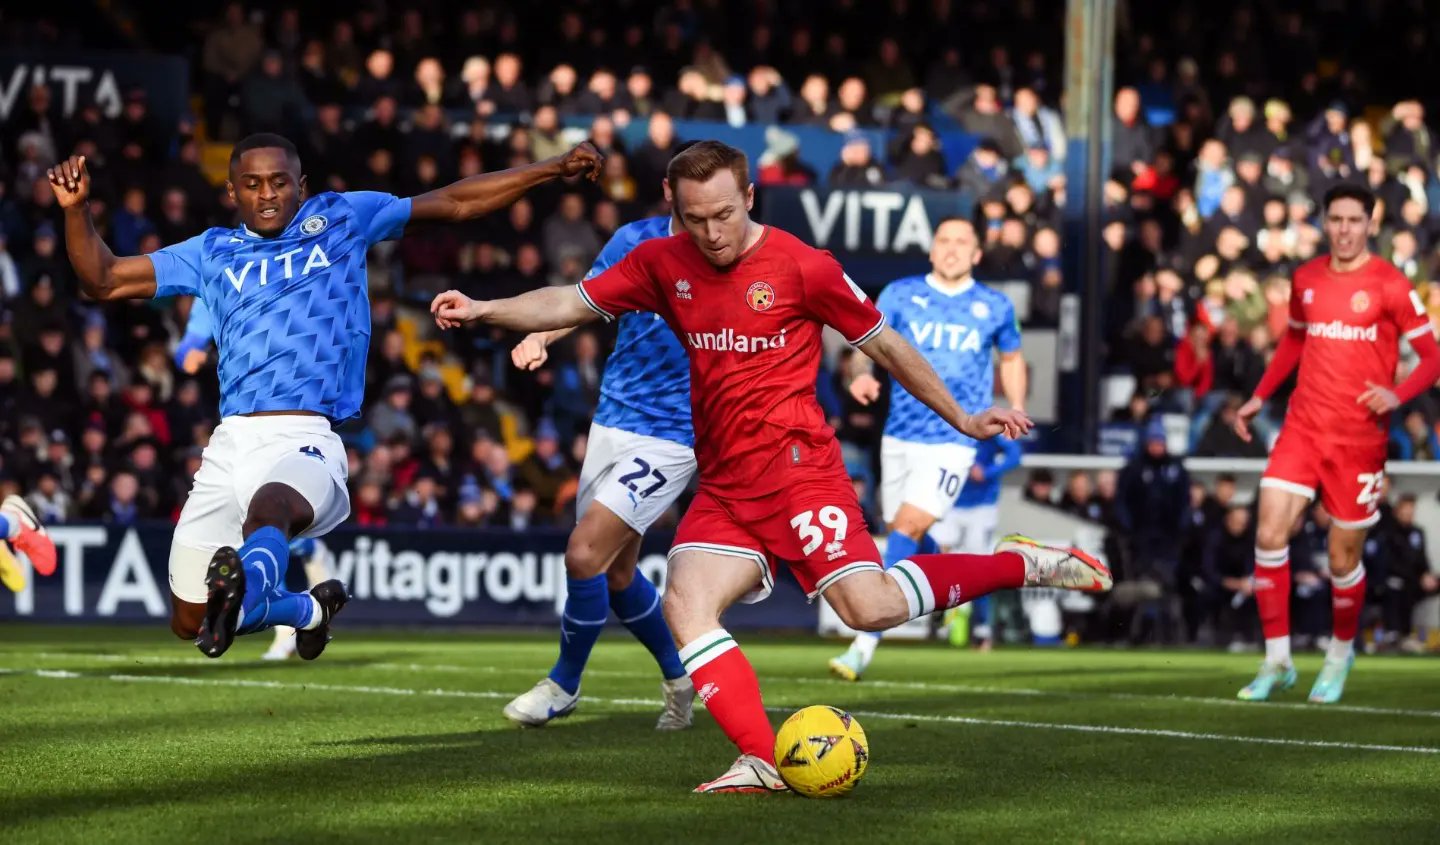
[(1349, 191), (706, 158), (1225, 477), (1407, 499), (264, 141), (956, 218)]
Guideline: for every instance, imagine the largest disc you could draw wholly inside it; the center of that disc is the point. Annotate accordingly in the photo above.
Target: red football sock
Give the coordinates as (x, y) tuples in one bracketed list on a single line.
[(726, 682), (938, 582), (1347, 599), (1272, 591)]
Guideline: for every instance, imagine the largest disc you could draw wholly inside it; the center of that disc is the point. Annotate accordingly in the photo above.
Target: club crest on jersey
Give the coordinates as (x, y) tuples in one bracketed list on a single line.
[(1308, 296), (980, 310), (682, 289), (760, 296), (313, 225), (1359, 302)]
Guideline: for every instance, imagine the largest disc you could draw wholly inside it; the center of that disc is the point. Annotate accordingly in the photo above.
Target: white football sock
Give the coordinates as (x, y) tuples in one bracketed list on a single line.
[(1277, 651), (316, 615), (1340, 650), (865, 645)]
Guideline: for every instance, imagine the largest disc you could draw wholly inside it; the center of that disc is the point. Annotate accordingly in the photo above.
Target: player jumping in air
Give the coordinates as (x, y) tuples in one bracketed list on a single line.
[(288, 294), (1348, 312), (748, 302), (639, 459), (957, 324)]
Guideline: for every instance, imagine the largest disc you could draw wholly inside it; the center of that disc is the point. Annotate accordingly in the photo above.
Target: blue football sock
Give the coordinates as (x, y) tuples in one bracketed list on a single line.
[(898, 547), (278, 607), (265, 556), (638, 607), (586, 609)]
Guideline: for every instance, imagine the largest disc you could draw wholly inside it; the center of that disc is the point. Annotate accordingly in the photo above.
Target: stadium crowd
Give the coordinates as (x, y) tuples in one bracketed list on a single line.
[(1226, 129)]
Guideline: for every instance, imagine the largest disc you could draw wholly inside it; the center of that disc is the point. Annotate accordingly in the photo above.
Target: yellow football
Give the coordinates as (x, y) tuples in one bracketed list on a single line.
[(821, 752)]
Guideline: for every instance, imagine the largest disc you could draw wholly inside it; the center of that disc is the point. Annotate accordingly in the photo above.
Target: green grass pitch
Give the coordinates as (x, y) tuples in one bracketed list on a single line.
[(125, 735)]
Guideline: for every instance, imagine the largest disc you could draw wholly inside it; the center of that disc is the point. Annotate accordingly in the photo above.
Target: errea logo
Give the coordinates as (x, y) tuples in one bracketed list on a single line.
[(313, 225), (682, 289)]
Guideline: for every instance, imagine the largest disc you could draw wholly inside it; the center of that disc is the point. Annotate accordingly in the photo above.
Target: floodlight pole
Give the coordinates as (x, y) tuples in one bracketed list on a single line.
[(1089, 86)]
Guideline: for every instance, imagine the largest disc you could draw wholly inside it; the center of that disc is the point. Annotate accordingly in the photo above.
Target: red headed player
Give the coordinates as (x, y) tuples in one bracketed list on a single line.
[(1348, 312), (748, 302)]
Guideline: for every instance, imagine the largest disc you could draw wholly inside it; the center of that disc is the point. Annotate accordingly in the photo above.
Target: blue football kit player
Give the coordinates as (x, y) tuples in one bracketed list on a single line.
[(958, 325), (288, 295), (639, 458), (970, 525)]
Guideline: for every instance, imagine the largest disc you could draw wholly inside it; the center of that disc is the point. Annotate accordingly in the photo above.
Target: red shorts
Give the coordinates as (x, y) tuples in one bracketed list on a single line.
[(815, 527), (1348, 476)]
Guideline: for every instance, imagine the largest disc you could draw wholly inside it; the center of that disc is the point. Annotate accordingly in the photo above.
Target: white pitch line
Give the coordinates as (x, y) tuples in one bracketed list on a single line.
[(55, 674), (924, 686)]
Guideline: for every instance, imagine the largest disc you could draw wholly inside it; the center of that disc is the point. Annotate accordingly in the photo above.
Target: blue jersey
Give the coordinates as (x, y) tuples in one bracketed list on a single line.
[(994, 457), (646, 388), (291, 313), (957, 333)]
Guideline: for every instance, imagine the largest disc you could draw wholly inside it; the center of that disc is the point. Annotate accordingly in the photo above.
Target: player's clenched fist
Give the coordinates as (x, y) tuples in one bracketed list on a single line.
[(584, 160), (530, 353), (993, 422), (865, 388), (70, 181), (453, 309)]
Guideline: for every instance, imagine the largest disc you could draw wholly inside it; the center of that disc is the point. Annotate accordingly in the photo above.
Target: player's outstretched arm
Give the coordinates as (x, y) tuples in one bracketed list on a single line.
[(476, 196), (909, 367), (1286, 359), (544, 309), (102, 275)]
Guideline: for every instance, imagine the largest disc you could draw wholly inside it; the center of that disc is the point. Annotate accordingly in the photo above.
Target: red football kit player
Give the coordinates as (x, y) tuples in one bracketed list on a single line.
[(1349, 311), (749, 302)]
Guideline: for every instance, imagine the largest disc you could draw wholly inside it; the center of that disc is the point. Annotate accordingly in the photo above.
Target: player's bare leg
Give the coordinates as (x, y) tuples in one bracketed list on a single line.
[(912, 524), (603, 544), (701, 586), (1281, 506), (1347, 599)]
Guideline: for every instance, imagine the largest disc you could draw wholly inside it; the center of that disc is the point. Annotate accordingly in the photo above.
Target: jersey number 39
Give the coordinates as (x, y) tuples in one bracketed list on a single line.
[(830, 517)]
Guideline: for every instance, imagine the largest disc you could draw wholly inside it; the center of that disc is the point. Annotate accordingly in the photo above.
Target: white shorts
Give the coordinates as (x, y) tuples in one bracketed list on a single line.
[(634, 476), (924, 475), (244, 454), (969, 531)]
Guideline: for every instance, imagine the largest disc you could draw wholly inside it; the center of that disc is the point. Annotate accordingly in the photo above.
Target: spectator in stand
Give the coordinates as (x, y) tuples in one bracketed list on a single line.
[(1194, 369), (985, 116), (1231, 560), (1038, 125), (815, 107), (857, 167), (1152, 507), (769, 99), (1407, 575), (780, 164), (1133, 141), (920, 161), (1413, 438), (983, 170), (508, 94)]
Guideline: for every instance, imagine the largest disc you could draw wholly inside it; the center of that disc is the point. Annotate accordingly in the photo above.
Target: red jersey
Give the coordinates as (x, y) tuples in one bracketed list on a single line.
[(752, 331), (1353, 324)]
